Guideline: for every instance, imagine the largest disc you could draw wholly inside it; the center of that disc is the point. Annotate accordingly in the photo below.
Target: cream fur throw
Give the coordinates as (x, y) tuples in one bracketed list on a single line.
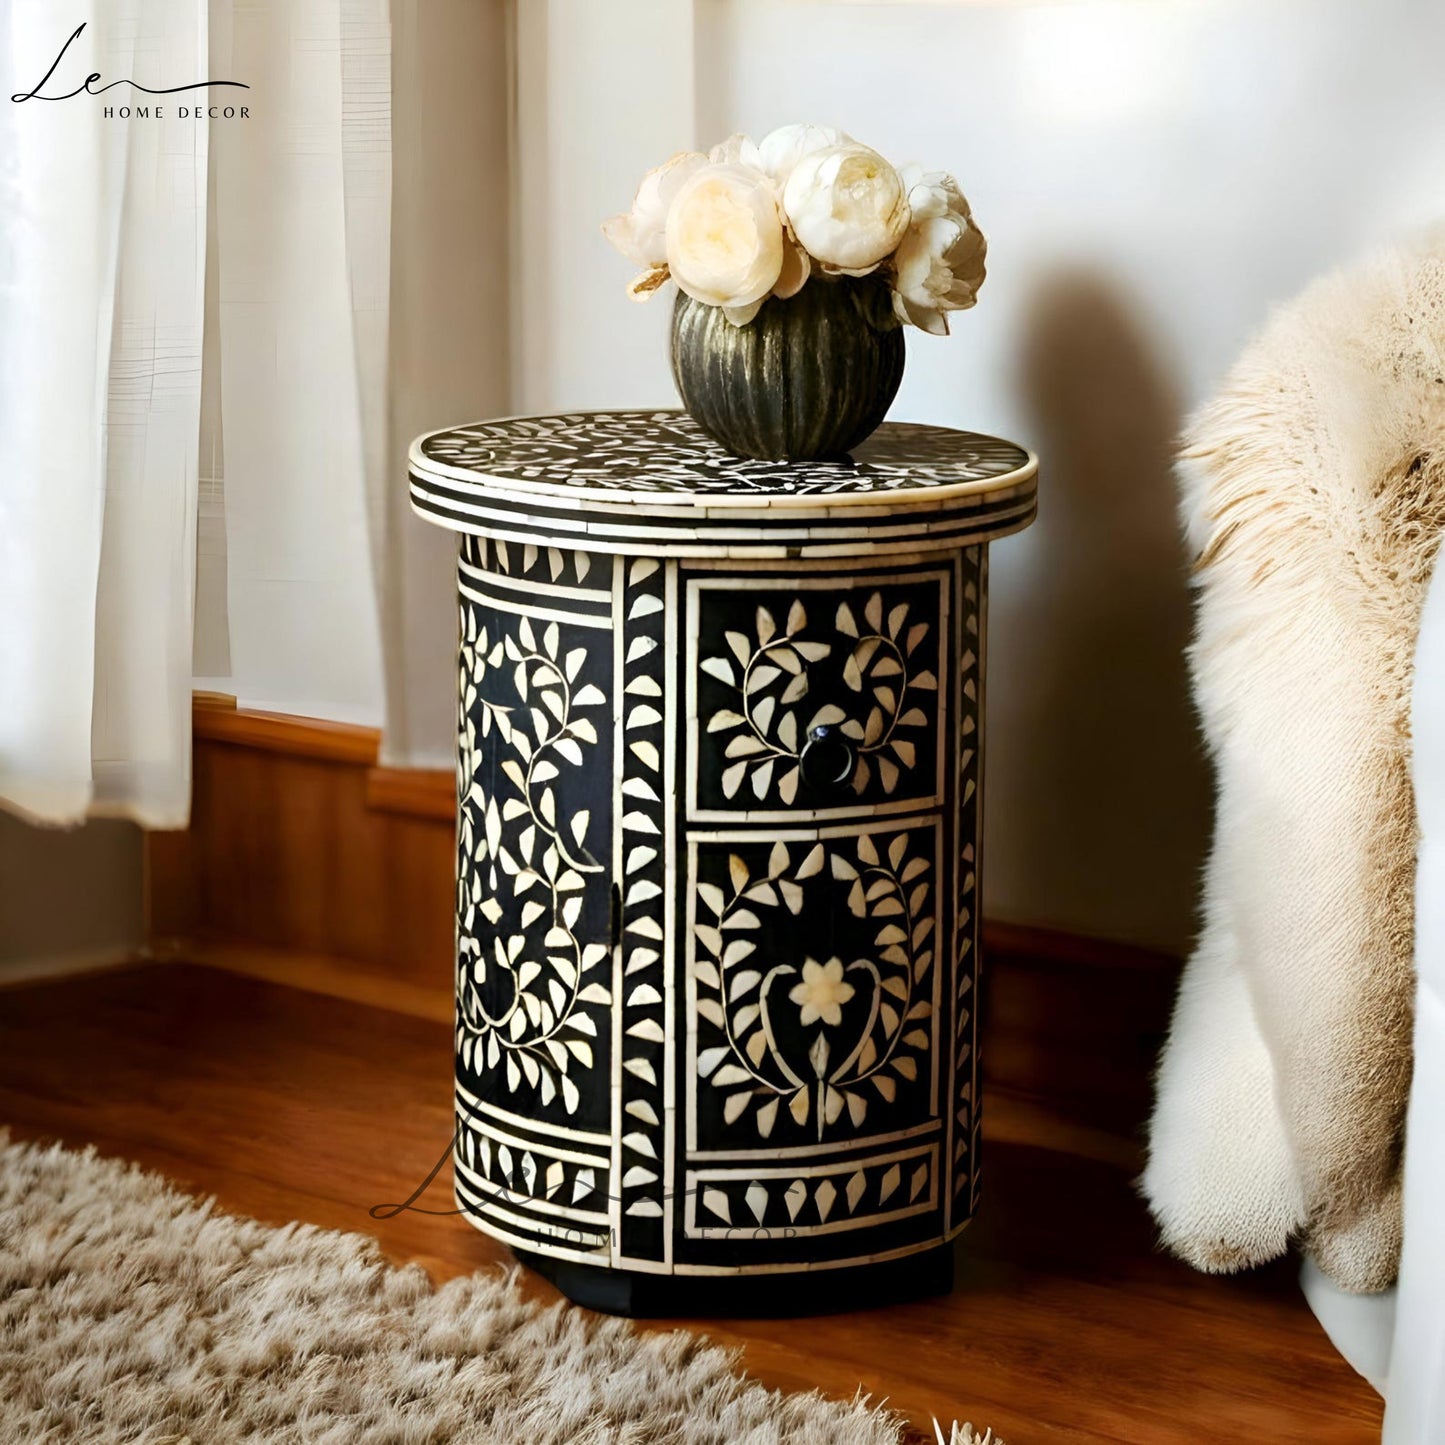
[(1313, 496)]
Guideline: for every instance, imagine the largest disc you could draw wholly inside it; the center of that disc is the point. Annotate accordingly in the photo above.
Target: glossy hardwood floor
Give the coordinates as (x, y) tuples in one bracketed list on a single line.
[(1066, 1324)]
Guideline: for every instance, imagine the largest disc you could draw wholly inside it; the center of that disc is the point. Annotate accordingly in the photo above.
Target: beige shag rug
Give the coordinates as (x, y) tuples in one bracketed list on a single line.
[(131, 1312)]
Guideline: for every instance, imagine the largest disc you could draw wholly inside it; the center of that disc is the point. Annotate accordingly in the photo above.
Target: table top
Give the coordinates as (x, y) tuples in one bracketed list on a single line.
[(652, 481)]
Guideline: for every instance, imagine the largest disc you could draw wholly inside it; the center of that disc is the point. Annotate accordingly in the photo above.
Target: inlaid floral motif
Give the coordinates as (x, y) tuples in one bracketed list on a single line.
[(822, 993), (522, 1171), (855, 1027), (771, 671), (524, 973)]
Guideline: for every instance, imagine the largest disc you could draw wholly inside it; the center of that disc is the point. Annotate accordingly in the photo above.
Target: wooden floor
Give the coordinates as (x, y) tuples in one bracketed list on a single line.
[(1066, 1325)]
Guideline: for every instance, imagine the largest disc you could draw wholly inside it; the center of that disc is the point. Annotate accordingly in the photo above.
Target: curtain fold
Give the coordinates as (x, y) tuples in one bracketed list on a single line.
[(278, 299), (101, 302), (301, 255), (451, 280)]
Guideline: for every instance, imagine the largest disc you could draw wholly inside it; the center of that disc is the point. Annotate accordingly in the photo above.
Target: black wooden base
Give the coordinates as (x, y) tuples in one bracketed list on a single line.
[(824, 1292)]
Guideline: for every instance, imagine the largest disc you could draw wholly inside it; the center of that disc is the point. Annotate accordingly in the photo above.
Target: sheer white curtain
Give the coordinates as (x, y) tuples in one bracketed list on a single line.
[(301, 257), (361, 297), (336, 304), (102, 250), (451, 290)]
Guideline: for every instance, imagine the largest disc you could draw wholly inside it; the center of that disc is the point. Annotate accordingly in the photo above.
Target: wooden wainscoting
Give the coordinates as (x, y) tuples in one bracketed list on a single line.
[(307, 863), (300, 844)]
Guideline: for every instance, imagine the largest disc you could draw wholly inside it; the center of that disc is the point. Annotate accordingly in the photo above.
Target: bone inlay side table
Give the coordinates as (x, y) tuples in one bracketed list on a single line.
[(718, 767)]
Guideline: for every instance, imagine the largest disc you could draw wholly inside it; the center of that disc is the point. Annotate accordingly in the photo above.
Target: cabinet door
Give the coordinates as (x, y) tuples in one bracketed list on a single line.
[(817, 1048), (534, 894), (828, 931)]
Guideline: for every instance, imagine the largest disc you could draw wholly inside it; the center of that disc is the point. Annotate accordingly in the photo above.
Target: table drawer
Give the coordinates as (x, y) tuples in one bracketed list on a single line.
[(818, 695)]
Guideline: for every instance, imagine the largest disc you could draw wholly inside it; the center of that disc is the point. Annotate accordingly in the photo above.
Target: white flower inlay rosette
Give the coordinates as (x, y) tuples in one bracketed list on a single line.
[(748, 221)]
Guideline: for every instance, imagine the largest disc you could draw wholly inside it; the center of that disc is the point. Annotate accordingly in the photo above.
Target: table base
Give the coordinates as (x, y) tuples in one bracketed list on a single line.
[(669, 1296)]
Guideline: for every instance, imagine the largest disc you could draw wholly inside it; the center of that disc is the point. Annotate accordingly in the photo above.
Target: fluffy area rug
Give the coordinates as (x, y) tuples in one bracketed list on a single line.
[(132, 1312)]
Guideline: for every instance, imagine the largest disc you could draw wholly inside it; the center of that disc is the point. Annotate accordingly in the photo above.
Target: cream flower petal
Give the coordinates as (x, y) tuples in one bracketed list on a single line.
[(741, 315), (725, 236), (737, 150), (780, 150), (847, 206), (641, 233), (796, 269), (940, 262)]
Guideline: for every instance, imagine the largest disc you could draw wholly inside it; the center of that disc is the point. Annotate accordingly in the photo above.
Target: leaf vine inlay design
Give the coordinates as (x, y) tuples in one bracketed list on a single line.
[(520, 995), (872, 1014), (771, 672), (666, 451)]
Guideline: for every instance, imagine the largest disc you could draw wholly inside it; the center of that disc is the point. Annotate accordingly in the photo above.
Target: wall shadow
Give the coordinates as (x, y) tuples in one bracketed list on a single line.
[(1095, 718)]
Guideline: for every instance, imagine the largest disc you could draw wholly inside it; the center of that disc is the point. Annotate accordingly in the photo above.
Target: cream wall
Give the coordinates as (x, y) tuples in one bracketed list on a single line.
[(604, 90), (1152, 177)]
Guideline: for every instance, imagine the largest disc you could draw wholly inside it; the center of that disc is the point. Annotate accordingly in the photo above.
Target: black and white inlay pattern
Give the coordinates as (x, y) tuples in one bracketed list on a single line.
[(718, 776), (644, 1188), (533, 953), (967, 1116), (665, 451)]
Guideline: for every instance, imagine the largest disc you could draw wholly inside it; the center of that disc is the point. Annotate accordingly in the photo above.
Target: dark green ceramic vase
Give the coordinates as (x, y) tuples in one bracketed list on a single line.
[(806, 378)]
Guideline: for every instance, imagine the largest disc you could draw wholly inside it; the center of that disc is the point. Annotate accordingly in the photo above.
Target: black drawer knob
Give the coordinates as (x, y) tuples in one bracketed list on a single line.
[(827, 760)]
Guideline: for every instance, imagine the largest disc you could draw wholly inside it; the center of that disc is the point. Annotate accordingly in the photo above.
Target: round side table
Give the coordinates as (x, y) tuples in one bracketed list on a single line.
[(718, 768)]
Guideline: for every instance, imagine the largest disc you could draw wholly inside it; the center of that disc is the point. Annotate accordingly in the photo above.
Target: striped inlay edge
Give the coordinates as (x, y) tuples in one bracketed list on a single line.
[(651, 481)]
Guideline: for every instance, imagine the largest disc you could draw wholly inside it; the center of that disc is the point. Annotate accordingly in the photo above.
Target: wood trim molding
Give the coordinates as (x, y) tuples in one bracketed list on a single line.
[(312, 973), (414, 792), (275, 732), (42, 968), (411, 792), (306, 861)]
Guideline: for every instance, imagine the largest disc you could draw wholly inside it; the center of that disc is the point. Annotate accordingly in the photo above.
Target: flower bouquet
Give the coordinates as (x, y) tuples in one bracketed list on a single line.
[(798, 260)]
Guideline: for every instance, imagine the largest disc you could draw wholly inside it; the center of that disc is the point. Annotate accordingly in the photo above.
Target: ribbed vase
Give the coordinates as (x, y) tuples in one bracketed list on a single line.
[(808, 378)]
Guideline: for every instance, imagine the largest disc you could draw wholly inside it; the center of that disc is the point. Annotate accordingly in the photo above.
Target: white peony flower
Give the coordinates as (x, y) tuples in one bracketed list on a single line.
[(847, 206), (939, 264), (782, 149), (725, 242), (746, 221), (641, 233), (736, 150)]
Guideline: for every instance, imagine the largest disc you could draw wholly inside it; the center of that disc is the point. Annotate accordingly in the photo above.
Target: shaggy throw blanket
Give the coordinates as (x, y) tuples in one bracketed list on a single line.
[(1314, 493), (129, 1312)]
